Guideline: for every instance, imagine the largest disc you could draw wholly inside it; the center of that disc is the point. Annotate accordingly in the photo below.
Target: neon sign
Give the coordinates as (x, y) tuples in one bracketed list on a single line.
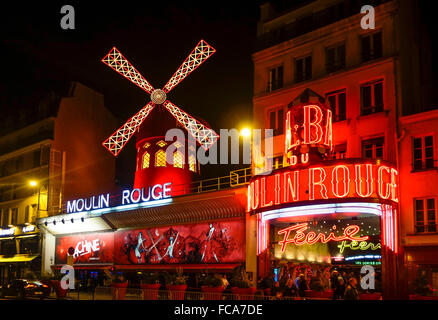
[(92, 203), (135, 196), (86, 247), (29, 228), (156, 192), (344, 180), (300, 238), (7, 232), (307, 126), (354, 245)]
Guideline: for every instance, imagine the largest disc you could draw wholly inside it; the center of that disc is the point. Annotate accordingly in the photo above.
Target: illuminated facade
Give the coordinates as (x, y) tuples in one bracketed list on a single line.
[(381, 124), (46, 166), (151, 124)]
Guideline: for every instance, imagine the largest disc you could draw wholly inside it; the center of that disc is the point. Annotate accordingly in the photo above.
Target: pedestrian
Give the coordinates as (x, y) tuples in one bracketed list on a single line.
[(290, 289), (351, 292), (225, 282), (302, 285), (338, 292)]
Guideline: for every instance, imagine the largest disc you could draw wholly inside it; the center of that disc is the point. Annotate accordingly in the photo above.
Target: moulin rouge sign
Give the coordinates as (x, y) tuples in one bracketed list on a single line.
[(337, 181), (128, 197), (309, 136)]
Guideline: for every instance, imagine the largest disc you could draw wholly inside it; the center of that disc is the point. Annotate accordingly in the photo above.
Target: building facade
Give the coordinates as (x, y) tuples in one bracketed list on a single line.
[(372, 81), (46, 154)]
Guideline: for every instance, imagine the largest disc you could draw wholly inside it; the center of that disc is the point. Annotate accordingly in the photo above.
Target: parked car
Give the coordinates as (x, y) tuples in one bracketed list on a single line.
[(22, 288)]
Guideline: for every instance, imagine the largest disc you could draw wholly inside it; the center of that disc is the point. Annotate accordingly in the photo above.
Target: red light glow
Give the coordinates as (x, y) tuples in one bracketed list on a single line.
[(300, 238)]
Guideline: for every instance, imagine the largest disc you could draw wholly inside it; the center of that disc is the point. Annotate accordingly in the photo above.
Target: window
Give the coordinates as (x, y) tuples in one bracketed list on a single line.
[(146, 159), (192, 163), (371, 46), (161, 143), (303, 69), (372, 97), (27, 214), (422, 149), (340, 151), (8, 247), (14, 216), (34, 214), (36, 158), (29, 245), (276, 121), (178, 159), (275, 78), (5, 217), (373, 148), (425, 215), (335, 58), (338, 104), (160, 158)]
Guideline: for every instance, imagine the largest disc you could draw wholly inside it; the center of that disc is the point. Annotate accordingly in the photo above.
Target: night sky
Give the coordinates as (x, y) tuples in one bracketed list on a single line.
[(155, 37)]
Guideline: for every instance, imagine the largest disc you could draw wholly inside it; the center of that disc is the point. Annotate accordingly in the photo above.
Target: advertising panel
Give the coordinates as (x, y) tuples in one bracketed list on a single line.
[(88, 248), (216, 242)]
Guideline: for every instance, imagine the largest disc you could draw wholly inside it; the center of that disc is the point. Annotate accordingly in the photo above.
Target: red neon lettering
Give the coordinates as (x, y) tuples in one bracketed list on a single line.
[(336, 181), (394, 185), (316, 124), (255, 194), (368, 181), (313, 183), (310, 238), (293, 160), (383, 184), (304, 157), (248, 198), (291, 188), (328, 141), (263, 203), (277, 189)]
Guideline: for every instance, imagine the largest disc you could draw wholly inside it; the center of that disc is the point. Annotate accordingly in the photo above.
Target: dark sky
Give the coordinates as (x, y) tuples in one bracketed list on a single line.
[(155, 37)]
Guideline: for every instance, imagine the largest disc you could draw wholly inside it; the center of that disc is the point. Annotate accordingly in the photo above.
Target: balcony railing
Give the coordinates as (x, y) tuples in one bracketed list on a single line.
[(236, 178)]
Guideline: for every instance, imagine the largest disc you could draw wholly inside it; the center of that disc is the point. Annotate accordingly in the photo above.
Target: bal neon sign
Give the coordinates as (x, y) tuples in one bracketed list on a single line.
[(135, 196), (307, 126), (301, 238), (345, 180)]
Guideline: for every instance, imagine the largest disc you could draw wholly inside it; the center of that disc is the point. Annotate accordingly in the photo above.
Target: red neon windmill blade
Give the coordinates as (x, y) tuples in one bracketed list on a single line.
[(205, 136), (119, 63), (119, 138), (199, 54)]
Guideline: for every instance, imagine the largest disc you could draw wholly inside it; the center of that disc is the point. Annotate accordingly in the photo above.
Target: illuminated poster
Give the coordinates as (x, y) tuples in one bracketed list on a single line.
[(89, 248), (216, 242)]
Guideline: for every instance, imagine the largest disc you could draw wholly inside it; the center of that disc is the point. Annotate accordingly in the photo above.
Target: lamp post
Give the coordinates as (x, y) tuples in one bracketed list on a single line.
[(34, 184)]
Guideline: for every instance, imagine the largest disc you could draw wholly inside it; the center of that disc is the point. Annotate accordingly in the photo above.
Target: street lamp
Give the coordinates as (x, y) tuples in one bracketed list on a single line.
[(33, 183), (245, 132)]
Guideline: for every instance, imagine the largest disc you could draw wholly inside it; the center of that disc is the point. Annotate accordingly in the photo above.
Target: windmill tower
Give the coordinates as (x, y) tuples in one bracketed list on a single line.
[(151, 123)]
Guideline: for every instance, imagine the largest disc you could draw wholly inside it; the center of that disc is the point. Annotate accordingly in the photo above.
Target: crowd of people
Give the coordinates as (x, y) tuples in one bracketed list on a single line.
[(294, 280)]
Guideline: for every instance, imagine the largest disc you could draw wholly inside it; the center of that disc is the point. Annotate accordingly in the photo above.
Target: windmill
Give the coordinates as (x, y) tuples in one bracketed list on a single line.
[(205, 136)]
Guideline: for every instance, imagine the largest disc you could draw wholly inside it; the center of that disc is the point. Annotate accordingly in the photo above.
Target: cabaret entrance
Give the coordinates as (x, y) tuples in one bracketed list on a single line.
[(322, 213)]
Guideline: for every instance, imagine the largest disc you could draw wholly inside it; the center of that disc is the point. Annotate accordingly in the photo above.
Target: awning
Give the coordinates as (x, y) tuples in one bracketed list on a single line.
[(18, 258), (185, 209), (84, 266), (186, 267)]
